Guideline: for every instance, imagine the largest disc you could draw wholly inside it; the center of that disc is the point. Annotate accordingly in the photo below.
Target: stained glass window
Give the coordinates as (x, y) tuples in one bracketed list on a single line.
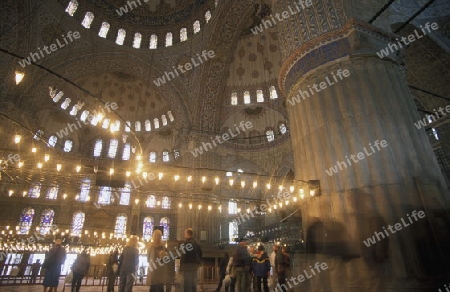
[(169, 113), (137, 40), (104, 197), (259, 96), (153, 41), (26, 220), (127, 126), (148, 125), (283, 128), (247, 97), (52, 193), (152, 157), (233, 231), (84, 190), (35, 191), (72, 7), (169, 39), (270, 135), (165, 203), (121, 36), (137, 126), (151, 201), (52, 140), (208, 16), (77, 223), (126, 152), (120, 227), (273, 92), (176, 153), (46, 221), (68, 144), (156, 122), (183, 34), (84, 115), (234, 98), (196, 26), (112, 151), (66, 103), (98, 148), (88, 18), (165, 222), (147, 230), (105, 123), (104, 29), (125, 195), (166, 156), (164, 120), (232, 207)]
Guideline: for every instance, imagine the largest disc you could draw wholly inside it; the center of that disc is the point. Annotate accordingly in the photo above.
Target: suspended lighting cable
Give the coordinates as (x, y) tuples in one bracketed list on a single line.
[(386, 6)]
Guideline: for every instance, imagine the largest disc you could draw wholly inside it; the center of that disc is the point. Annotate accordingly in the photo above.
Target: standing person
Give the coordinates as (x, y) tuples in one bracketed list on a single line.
[(112, 269), (273, 270), (52, 264), (241, 265), (79, 269), (157, 274), (253, 254), (35, 271), (222, 270), (229, 285), (190, 261), (128, 264), (284, 262), (261, 269)]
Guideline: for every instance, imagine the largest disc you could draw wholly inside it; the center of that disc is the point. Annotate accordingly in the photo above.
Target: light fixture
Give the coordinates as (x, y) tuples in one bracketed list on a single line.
[(180, 205), (19, 77), (39, 165), (203, 179), (255, 184), (17, 139), (111, 171), (128, 173), (144, 175), (291, 189), (216, 180), (136, 201), (46, 157), (190, 206), (33, 149), (280, 188), (231, 181), (10, 192), (78, 168), (189, 178), (243, 183), (220, 208), (176, 177), (24, 193), (138, 157), (209, 207), (200, 207), (58, 167), (268, 186), (20, 164), (160, 175)]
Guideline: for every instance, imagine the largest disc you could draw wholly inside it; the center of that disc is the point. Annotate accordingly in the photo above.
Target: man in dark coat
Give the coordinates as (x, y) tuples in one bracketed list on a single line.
[(128, 264), (52, 264), (190, 261), (79, 269)]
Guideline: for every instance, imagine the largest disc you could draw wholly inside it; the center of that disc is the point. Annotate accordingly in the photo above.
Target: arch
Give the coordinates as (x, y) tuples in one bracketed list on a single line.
[(196, 26), (152, 157), (148, 125), (68, 145), (207, 16)]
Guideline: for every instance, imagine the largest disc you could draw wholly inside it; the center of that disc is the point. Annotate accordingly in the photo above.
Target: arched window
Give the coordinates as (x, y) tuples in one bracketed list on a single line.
[(232, 207), (153, 41), (35, 191), (46, 221), (104, 197), (176, 154), (164, 120), (104, 30), (283, 128), (115, 127), (247, 97), (165, 222), (137, 40), (259, 96), (156, 122), (125, 195), (121, 33), (120, 228), (87, 20), (148, 125), (52, 193), (165, 203), (208, 16), (98, 148), (68, 144), (66, 103), (169, 113), (147, 228), (105, 123), (58, 96), (127, 126), (234, 98), (84, 190), (151, 201), (72, 7), (112, 151), (273, 92), (233, 231), (165, 156), (270, 135), (152, 157), (169, 39), (74, 110), (126, 151), (26, 220), (95, 120), (77, 223), (183, 34), (52, 140), (196, 26), (84, 115), (137, 126)]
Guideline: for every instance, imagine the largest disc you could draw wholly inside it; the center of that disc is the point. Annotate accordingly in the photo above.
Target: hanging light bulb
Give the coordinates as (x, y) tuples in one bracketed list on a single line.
[(255, 184), (19, 77), (128, 173), (136, 201), (111, 171), (17, 139), (33, 150), (96, 169), (203, 179), (199, 206), (243, 183), (190, 206), (291, 189), (180, 205), (10, 192), (280, 188), (39, 165), (176, 177), (231, 181), (220, 208), (144, 174), (160, 175), (189, 178), (268, 186), (209, 207), (46, 157), (24, 193), (139, 157), (58, 167), (216, 180), (294, 199), (78, 168), (20, 164)]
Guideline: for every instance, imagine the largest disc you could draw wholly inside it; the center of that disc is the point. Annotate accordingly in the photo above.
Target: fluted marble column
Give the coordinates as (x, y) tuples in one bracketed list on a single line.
[(340, 119)]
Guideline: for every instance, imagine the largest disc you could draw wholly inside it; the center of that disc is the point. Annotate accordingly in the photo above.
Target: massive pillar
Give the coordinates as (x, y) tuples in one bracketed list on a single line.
[(352, 111)]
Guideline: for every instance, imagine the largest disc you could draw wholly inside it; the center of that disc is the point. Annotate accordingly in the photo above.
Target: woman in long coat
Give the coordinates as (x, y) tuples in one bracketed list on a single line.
[(157, 275)]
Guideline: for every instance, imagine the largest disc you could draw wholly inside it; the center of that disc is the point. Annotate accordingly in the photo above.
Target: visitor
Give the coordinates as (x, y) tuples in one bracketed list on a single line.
[(112, 269), (128, 264), (230, 278), (222, 270), (55, 258), (252, 277), (283, 262), (157, 273), (241, 266), (35, 271), (190, 261), (79, 269), (273, 268), (261, 269)]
